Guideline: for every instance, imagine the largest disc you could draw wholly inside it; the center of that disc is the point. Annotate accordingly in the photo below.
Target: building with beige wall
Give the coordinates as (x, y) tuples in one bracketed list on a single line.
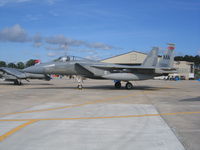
[(184, 68), (131, 58)]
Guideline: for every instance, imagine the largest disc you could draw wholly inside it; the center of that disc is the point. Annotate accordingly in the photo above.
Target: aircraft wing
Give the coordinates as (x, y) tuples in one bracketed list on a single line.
[(13, 72), (111, 66), (80, 68)]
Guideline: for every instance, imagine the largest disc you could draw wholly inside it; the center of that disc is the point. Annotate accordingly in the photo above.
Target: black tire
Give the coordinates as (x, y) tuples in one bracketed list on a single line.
[(80, 87), (129, 85), (16, 82), (118, 85)]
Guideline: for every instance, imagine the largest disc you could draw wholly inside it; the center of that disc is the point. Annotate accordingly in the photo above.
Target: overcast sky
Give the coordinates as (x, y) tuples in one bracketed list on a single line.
[(45, 29)]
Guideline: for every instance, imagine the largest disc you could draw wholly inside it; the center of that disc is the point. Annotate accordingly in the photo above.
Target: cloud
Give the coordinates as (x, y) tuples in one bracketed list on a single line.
[(93, 57), (37, 40), (58, 42), (13, 34), (99, 46), (56, 53), (61, 40), (4, 2), (51, 54), (64, 42), (51, 2), (60, 47)]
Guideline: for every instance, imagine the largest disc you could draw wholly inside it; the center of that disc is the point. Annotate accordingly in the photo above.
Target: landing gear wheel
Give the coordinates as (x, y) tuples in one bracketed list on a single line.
[(79, 79), (129, 85), (16, 82), (80, 87), (118, 85)]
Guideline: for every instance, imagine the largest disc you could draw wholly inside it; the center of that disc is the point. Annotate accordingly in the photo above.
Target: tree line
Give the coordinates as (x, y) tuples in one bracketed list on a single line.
[(18, 65), (195, 59)]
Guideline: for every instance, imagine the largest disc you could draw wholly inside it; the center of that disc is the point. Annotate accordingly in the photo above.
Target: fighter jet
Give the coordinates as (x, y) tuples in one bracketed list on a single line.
[(16, 75), (84, 68)]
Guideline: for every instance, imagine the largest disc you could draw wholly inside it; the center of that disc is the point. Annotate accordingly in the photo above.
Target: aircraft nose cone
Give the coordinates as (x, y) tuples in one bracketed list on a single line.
[(35, 69)]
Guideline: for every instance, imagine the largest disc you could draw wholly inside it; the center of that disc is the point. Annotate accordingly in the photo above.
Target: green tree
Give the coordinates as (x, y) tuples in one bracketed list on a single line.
[(31, 62), (195, 59), (178, 58), (20, 65), (186, 58), (12, 65), (2, 64)]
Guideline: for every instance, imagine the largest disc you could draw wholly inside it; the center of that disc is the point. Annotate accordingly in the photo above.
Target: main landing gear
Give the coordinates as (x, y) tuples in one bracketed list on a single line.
[(118, 85), (128, 85), (17, 82)]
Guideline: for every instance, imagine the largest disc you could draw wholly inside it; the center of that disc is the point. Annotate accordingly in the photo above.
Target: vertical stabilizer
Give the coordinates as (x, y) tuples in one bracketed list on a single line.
[(152, 58), (167, 59)]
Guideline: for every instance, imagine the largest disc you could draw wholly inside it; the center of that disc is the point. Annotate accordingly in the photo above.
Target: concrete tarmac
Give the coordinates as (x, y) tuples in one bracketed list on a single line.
[(52, 115)]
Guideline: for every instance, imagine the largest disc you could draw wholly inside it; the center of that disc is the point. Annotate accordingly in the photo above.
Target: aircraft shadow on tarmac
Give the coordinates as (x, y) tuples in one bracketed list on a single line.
[(24, 84), (143, 88), (195, 99)]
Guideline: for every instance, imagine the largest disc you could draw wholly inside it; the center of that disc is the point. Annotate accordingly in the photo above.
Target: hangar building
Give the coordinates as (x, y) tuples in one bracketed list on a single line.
[(184, 68)]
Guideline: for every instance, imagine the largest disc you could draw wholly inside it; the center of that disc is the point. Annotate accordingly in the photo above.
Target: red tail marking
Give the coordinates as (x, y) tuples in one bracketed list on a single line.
[(37, 61), (171, 48)]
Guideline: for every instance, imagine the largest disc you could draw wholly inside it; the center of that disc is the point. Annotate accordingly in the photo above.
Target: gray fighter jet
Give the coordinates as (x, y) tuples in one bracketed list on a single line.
[(84, 68), (16, 75)]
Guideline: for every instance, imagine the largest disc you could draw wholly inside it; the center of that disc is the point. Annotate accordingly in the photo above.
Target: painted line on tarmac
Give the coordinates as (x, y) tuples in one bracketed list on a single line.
[(105, 117), (31, 121), (4, 136), (72, 106)]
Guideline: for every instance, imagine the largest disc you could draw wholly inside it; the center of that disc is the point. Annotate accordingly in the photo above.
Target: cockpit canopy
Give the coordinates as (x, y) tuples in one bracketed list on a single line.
[(63, 59), (70, 58)]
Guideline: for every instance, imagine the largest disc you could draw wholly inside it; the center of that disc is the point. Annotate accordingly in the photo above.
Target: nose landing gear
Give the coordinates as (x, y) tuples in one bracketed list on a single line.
[(79, 79)]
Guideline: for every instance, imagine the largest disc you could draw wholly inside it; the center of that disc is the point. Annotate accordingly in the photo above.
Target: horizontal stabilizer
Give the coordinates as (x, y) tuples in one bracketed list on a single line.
[(14, 72)]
